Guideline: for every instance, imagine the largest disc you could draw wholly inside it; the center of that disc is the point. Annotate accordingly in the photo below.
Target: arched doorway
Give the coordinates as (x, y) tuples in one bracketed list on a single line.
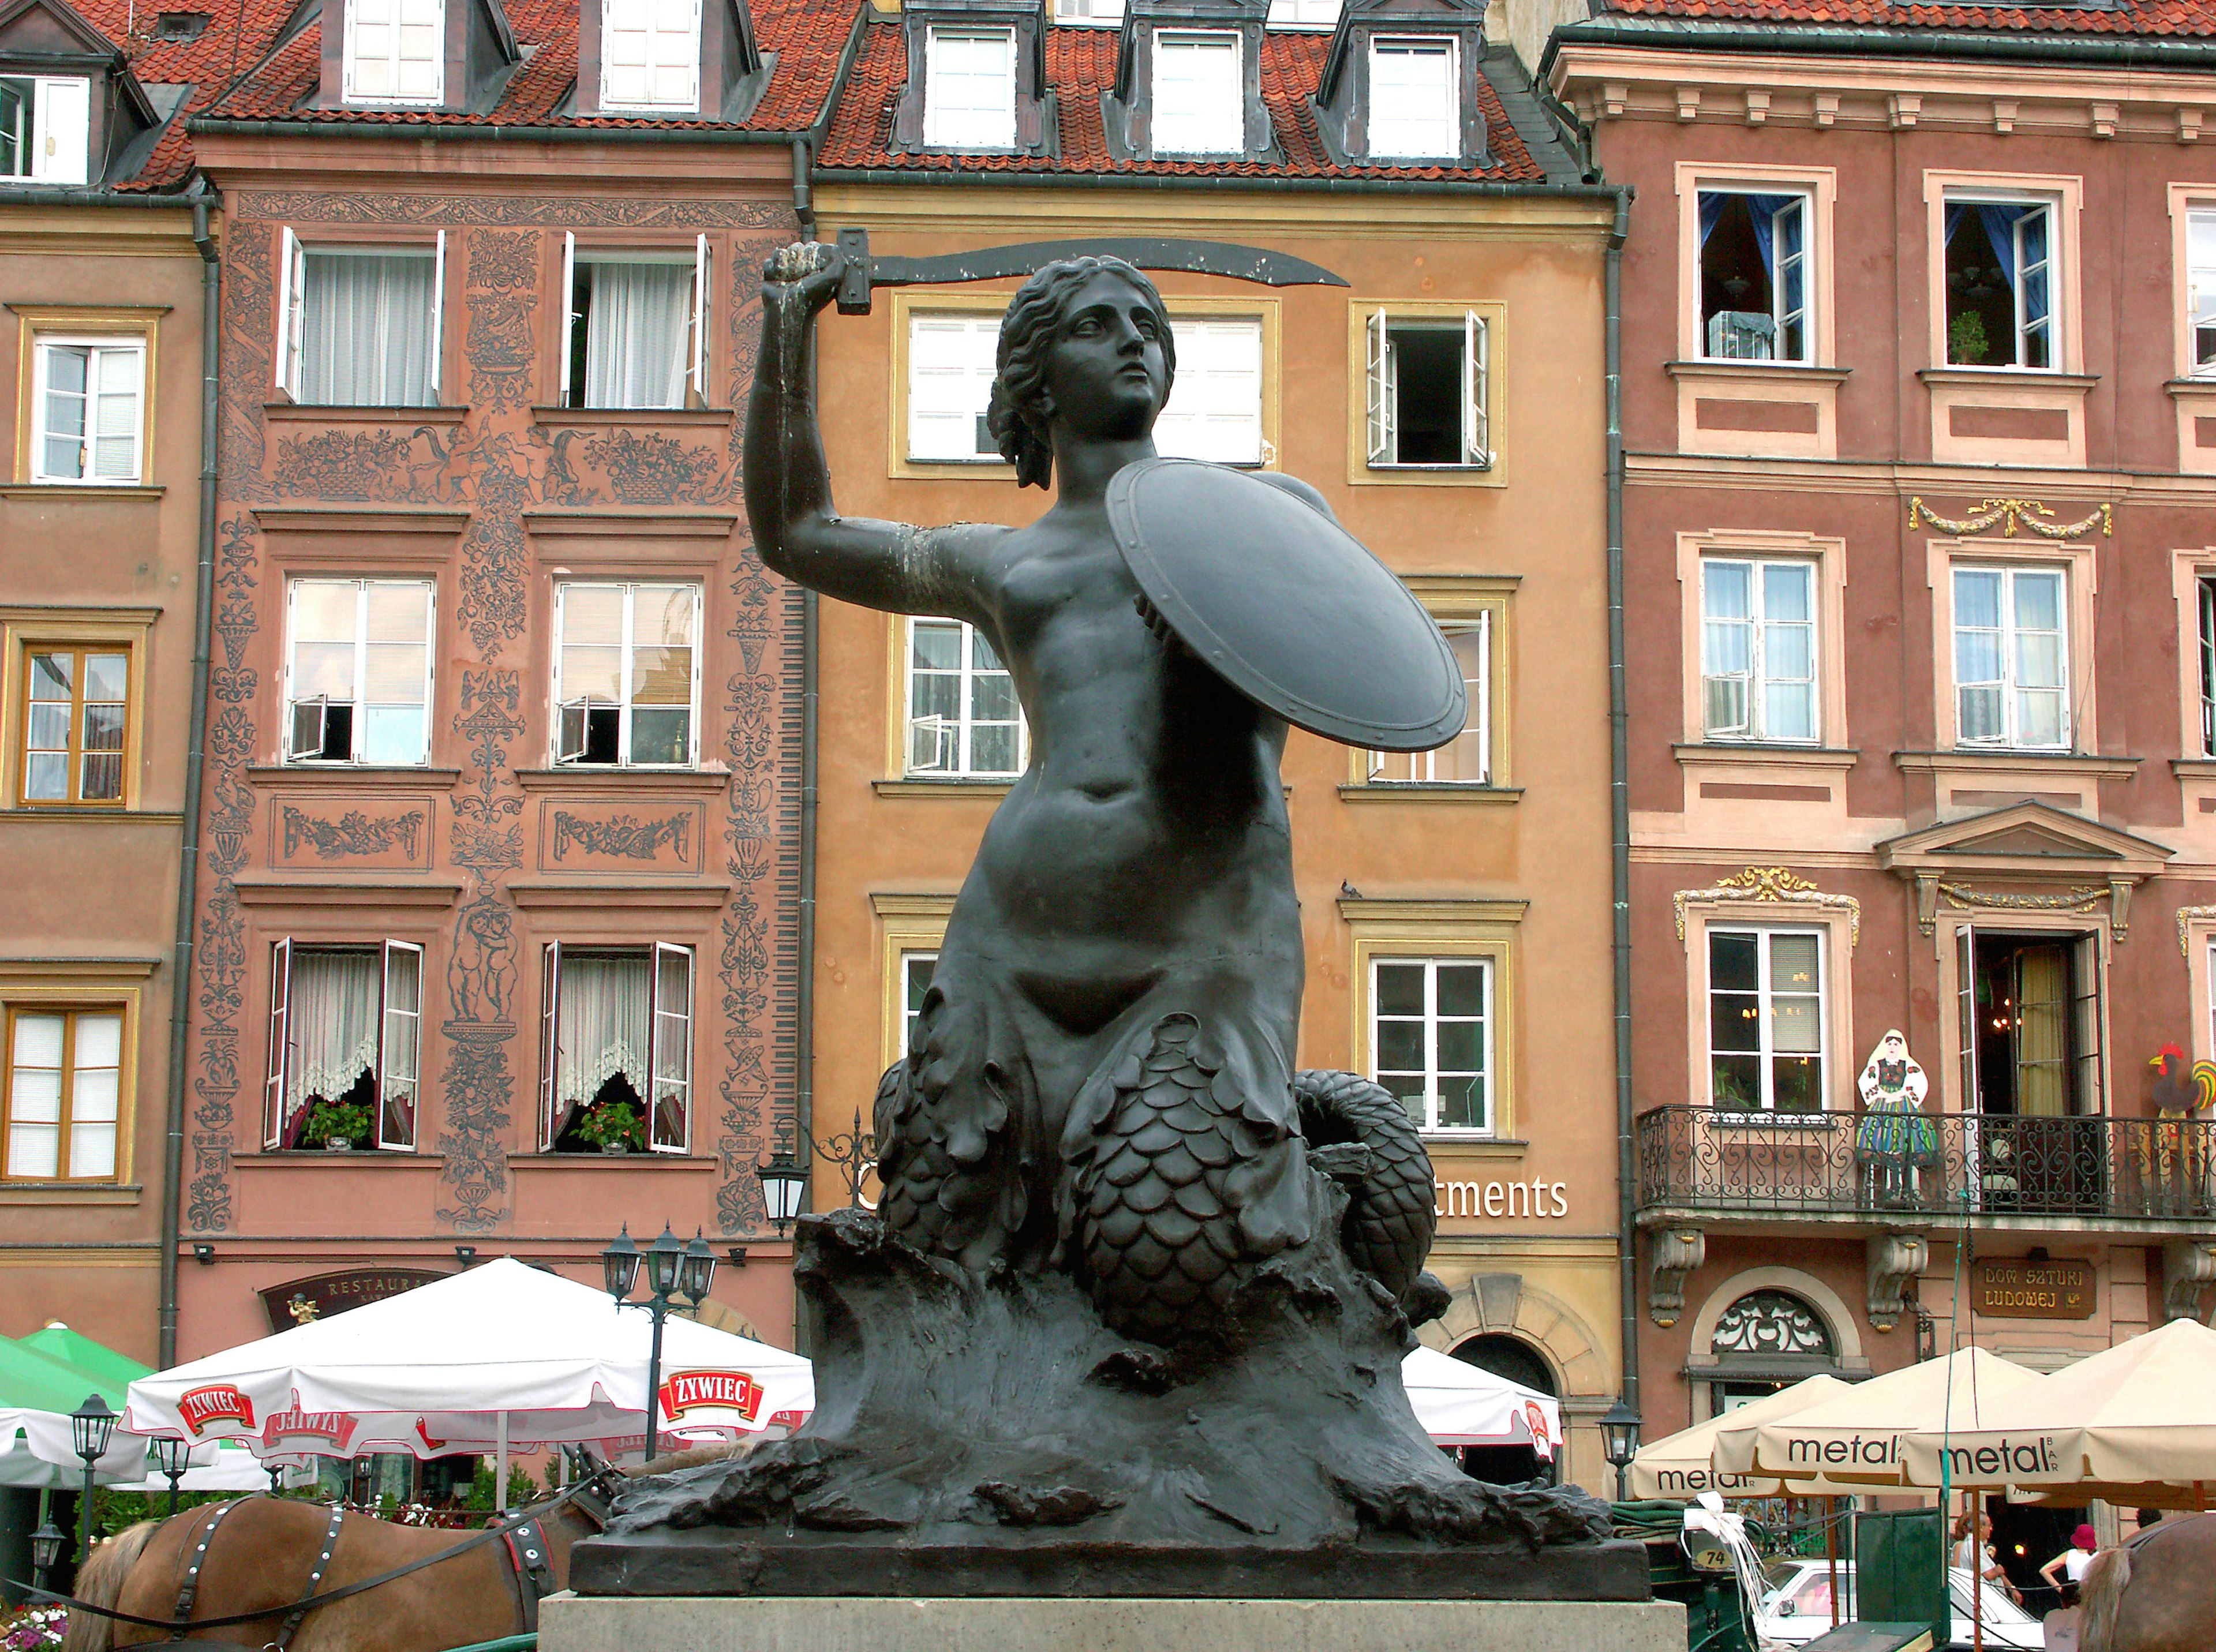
[(1511, 1357)]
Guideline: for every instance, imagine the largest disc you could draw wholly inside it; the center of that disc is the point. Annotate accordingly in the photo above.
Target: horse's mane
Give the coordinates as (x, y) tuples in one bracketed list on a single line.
[(99, 1583), (2100, 1596)]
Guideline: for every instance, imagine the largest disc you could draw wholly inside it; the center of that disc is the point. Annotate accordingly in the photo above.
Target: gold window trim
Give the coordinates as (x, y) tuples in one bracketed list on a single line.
[(992, 301), (1449, 598), (110, 989), (142, 323), (1442, 929), (21, 630), (1359, 472)]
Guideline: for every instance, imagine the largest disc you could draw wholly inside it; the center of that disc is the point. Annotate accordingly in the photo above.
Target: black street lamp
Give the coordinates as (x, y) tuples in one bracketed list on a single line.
[(685, 1271), (784, 1178), (1619, 1433), (47, 1546), (785, 1186), (171, 1455), (92, 1425)]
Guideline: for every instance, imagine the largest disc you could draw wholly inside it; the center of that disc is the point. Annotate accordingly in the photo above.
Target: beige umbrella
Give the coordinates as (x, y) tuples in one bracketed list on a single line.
[(2134, 1424), (1682, 1466), (1855, 1437)]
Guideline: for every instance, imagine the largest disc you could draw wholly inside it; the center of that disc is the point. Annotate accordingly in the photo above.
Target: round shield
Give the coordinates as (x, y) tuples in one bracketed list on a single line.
[(1289, 608)]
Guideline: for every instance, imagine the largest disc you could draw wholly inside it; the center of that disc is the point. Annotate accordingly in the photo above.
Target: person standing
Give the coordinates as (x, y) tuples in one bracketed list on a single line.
[(1977, 1554), (2073, 1562)]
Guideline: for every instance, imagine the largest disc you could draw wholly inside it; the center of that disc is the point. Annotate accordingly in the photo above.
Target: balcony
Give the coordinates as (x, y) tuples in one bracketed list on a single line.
[(1885, 1169)]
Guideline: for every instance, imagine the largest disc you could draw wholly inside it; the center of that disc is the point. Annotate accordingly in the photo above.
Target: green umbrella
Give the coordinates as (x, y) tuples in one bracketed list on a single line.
[(99, 1362), (37, 1382)]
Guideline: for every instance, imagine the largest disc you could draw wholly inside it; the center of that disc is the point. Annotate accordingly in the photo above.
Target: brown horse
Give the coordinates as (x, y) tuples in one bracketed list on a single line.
[(265, 1549), (2156, 1594)]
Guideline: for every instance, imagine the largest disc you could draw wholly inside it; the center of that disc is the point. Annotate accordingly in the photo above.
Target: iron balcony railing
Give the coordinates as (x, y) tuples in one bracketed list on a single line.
[(1849, 1164)]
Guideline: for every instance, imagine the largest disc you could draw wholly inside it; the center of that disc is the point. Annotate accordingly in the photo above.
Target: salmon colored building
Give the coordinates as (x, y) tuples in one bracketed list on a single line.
[(502, 878), (1446, 399), (1917, 416), (106, 250)]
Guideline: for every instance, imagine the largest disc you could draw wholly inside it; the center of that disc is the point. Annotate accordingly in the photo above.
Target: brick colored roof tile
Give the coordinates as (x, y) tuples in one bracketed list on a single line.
[(238, 34), (1080, 64), (2186, 18)]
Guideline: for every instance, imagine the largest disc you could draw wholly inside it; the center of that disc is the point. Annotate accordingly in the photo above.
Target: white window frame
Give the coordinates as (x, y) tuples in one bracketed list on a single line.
[(1447, 120), (1783, 316), (56, 133), (278, 1068), (1765, 1105), (293, 305), (697, 327), (964, 127), (630, 588), (979, 337), (99, 346), (1304, 14), (2050, 323), (550, 1050), (1217, 409), (1487, 965), (351, 67), (1088, 13), (1201, 131), (2010, 633), (690, 59), (1422, 766), (2204, 594), (965, 729), (360, 703), (1383, 394), (2201, 292), (1758, 679), (911, 959)]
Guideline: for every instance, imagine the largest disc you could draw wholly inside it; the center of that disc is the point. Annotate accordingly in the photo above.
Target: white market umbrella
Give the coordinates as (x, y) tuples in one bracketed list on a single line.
[(483, 1360), (1461, 1404), (231, 1468), (2133, 1424), (1855, 1437), (36, 1450), (1682, 1466)]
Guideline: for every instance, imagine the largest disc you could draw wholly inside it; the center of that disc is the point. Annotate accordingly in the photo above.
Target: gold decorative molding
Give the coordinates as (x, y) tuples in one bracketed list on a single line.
[(2187, 917), (2079, 898), (2012, 513), (1772, 883)]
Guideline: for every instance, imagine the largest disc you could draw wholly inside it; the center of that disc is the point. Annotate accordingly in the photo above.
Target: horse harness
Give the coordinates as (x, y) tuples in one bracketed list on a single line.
[(530, 1570)]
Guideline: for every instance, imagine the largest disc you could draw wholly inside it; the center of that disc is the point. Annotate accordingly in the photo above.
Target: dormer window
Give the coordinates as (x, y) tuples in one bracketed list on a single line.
[(1094, 12), (1303, 14), (651, 55), (396, 52), (45, 128), (1199, 109), (1413, 109), (969, 88)]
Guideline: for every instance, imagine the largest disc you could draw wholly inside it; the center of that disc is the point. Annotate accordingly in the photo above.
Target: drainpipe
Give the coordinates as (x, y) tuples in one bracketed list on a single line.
[(1619, 787), (803, 191), (803, 996), (173, 1150)]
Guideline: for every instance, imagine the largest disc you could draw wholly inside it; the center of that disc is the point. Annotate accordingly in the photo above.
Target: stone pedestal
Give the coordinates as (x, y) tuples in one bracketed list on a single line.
[(570, 1623)]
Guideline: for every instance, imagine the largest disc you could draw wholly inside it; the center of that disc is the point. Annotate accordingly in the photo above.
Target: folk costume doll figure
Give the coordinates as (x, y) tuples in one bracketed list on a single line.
[(1894, 1142)]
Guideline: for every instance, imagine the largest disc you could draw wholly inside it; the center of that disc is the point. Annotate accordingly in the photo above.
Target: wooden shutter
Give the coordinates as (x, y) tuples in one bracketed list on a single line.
[(280, 1039), (1476, 437), (62, 132), (698, 377), (550, 1049), (1966, 1016), (1381, 391), (2086, 1099), (438, 312), (292, 273), (399, 1044), (569, 341), (1479, 723), (670, 1062)]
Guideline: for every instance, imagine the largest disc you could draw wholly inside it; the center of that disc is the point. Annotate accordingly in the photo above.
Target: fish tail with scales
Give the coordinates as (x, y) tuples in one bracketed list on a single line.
[(1393, 1210)]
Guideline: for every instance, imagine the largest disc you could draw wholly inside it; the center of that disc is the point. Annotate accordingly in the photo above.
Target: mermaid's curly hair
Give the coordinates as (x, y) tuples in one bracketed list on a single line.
[(1014, 418)]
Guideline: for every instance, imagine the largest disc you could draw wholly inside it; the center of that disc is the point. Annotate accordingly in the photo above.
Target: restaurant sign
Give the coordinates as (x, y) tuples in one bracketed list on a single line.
[(304, 1301), (2020, 1289)]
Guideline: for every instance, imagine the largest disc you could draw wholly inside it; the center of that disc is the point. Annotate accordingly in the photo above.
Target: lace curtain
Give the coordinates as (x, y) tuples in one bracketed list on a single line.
[(600, 1027), (333, 1025), (635, 340), (367, 330)]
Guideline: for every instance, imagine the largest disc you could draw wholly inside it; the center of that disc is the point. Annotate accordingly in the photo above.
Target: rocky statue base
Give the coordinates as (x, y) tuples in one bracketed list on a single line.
[(987, 1436)]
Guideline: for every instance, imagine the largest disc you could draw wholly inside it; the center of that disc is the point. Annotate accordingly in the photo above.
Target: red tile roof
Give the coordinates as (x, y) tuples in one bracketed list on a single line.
[(2186, 18), (1080, 64), (806, 35), (239, 34)]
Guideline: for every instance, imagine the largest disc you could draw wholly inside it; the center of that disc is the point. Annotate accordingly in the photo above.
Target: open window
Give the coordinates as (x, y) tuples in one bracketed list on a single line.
[(1428, 391), (1754, 276), (626, 675), (969, 88), (2001, 283), (2205, 595), (358, 671), (396, 51), (1467, 759), (345, 1045), (2030, 1019), (361, 326), (2201, 291), (616, 1048), (638, 327), (45, 128), (964, 720)]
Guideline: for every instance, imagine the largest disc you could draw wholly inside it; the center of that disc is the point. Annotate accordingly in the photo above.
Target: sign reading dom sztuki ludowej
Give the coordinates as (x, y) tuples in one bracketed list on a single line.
[(1129, 1318)]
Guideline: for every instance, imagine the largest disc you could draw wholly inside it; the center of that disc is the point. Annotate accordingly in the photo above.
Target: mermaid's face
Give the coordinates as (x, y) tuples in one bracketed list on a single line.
[(1107, 377)]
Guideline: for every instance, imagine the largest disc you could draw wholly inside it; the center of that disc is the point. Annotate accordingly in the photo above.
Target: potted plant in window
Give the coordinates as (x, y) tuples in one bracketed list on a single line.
[(614, 1127), (340, 1126)]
